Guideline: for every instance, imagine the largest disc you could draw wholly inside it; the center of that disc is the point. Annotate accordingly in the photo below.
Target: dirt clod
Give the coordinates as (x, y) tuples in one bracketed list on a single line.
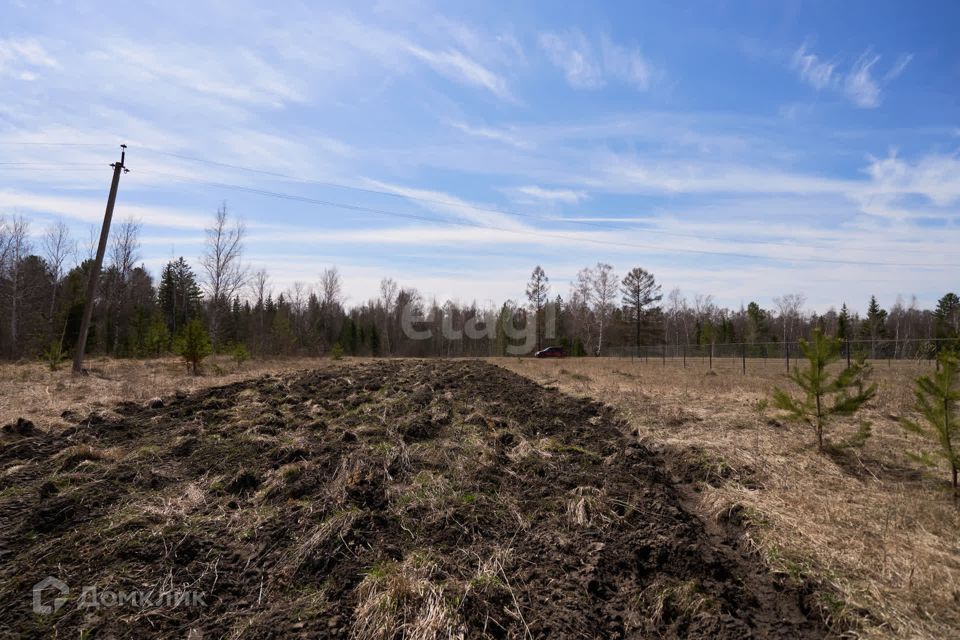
[(22, 427)]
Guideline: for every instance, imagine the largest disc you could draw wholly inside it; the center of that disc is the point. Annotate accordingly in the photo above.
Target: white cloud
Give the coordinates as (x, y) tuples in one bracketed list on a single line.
[(857, 84), (449, 204), (566, 196), (860, 86), (20, 57), (813, 71), (626, 64), (623, 174), (457, 66), (935, 177), (490, 133), (899, 67), (336, 41), (574, 56), (233, 74), (586, 68), (91, 210)]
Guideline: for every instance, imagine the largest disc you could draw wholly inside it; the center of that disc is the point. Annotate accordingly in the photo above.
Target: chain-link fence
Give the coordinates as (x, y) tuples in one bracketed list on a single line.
[(744, 356)]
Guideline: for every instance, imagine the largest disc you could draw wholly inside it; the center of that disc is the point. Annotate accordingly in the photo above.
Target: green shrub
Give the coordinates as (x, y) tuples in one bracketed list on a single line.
[(337, 352)]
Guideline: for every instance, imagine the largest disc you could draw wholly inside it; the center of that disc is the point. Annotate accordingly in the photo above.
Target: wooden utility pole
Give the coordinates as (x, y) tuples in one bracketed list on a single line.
[(78, 353)]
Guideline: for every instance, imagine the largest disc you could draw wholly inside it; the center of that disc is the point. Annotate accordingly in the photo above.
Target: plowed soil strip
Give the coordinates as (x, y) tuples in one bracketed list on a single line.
[(384, 500)]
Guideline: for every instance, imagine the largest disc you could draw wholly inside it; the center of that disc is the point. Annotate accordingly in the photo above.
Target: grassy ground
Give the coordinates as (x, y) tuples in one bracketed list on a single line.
[(31, 389), (867, 521)]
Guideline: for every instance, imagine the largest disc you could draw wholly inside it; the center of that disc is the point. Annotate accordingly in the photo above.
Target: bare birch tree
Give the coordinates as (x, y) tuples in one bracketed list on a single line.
[(331, 288), (260, 284), (604, 282), (57, 247), (789, 307), (124, 253), (388, 295), (677, 313), (224, 272), (125, 247), (17, 248)]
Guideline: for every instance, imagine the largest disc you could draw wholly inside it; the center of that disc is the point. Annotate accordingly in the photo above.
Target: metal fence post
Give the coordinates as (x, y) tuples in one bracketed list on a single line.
[(743, 354), (787, 349), (684, 355)]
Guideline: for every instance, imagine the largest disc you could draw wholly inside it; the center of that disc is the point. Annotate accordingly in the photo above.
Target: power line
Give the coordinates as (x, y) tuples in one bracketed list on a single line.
[(465, 205), (531, 232), (56, 144)]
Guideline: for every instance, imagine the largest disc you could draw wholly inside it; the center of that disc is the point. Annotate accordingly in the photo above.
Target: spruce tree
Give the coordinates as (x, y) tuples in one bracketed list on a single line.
[(178, 294), (823, 397), (374, 340), (875, 326), (843, 323), (947, 322)]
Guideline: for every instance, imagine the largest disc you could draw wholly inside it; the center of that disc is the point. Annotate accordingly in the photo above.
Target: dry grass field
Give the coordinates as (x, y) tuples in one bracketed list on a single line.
[(874, 535), (879, 532), (31, 389)]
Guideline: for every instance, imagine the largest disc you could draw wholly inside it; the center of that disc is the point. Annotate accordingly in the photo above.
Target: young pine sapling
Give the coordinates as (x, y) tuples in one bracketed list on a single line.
[(824, 397), (193, 345), (937, 398), (240, 354)]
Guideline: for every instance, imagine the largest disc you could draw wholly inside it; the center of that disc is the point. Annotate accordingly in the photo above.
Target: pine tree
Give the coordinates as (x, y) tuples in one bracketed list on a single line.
[(537, 291), (847, 392), (937, 398), (640, 290)]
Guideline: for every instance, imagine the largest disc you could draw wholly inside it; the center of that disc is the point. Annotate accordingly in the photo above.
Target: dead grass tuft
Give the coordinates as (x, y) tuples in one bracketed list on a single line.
[(587, 507), (667, 600), (400, 600), (74, 456)]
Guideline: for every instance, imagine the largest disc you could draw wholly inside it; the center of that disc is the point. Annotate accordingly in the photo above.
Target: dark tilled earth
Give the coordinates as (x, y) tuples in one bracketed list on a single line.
[(391, 499)]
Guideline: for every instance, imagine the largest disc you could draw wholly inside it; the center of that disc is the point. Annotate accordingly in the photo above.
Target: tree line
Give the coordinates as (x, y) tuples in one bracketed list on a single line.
[(42, 289)]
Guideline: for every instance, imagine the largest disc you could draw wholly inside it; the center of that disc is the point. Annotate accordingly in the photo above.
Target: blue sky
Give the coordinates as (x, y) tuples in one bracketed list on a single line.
[(740, 149)]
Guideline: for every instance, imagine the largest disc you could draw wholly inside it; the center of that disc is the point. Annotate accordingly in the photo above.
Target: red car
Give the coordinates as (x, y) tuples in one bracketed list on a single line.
[(550, 352)]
